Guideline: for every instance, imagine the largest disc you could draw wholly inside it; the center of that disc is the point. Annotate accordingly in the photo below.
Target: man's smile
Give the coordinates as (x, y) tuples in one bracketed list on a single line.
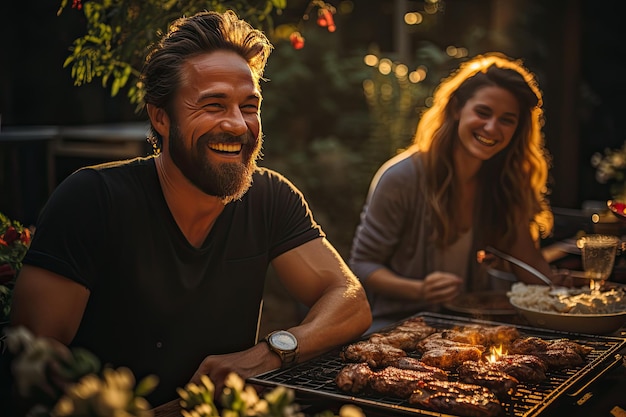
[(228, 148)]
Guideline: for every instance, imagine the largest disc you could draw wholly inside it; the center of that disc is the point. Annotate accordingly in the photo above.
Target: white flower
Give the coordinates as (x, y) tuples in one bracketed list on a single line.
[(30, 366)]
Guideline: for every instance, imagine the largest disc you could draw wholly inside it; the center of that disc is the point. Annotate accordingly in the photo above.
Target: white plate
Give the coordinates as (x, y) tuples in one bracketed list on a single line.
[(575, 323)]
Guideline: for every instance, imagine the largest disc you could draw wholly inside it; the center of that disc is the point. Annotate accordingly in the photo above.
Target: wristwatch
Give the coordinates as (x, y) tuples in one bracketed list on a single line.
[(285, 345)]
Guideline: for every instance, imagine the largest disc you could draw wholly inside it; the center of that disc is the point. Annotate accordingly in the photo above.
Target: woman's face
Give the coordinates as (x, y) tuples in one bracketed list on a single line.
[(487, 122)]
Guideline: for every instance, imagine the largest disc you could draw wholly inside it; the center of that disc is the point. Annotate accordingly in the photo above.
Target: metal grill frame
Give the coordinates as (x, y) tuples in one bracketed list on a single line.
[(315, 379)]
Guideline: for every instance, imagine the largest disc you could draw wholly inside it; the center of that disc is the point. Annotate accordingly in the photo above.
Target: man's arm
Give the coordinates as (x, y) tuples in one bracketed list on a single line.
[(48, 304), (316, 275)]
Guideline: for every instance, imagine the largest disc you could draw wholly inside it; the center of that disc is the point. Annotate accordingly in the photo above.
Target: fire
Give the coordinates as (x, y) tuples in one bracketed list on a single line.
[(496, 353)]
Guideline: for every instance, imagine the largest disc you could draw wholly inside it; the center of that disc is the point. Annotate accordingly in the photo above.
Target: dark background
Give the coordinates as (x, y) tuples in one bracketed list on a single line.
[(317, 123)]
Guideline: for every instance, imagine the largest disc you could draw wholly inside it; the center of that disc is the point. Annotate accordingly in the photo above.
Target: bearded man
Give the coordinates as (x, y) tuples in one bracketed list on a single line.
[(158, 263)]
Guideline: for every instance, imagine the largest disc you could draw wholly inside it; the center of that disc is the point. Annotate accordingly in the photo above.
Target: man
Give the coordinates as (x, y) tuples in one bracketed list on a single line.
[(159, 263)]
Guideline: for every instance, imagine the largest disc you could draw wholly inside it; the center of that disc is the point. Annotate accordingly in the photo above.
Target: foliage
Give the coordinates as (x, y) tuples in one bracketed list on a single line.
[(14, 243), (54, 381), (120, 32)]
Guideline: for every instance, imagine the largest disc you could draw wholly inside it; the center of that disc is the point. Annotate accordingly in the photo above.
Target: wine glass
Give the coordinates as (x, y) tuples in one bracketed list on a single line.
[(598, 255)]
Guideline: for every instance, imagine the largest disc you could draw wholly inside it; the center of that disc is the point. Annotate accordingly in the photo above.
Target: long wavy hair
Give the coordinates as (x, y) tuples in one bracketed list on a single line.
[(512, 184)]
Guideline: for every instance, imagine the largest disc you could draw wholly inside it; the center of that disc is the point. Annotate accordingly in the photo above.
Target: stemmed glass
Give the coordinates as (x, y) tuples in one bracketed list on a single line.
[(598, 255)]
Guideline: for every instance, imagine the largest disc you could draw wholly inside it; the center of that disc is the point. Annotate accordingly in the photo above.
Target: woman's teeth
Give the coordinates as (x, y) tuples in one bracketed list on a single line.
[(485, 141), (226, 147)]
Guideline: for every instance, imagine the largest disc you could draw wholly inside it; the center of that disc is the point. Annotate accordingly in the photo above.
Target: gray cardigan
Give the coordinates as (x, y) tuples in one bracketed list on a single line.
[(393, 233)]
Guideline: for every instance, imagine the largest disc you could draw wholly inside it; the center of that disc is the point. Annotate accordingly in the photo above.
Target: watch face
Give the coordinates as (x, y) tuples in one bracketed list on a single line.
[(284, 340)]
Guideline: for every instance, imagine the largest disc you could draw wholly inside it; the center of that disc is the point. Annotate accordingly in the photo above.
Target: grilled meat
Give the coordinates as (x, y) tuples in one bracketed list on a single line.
[(449, 358), (438, 341), (447, 354), (476, 334), (524, 368), (456, 398), (353, 377), (406, 335), (483, 374), (399, 382), (557, 354), (357, 377), (417, 365), (376, 355)]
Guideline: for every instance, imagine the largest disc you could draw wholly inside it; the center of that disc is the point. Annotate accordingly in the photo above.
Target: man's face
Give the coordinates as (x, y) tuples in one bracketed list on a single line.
[(215, 131)]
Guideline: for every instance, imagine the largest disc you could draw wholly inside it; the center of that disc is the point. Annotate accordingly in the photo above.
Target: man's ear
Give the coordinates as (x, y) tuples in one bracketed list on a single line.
[(159, 118)]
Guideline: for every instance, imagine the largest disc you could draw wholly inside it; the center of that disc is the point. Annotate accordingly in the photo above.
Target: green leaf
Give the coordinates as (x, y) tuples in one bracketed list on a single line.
[(146, 385)]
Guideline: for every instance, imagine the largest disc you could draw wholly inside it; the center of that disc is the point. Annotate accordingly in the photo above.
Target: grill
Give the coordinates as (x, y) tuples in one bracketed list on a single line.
[(315, 379)]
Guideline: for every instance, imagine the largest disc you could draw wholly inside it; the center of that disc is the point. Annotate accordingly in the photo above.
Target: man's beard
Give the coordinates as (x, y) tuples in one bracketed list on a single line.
[(227, 180)]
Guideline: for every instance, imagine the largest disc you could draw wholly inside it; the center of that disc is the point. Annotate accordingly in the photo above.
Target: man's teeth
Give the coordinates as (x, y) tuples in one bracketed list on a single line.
[(226, 147), (485, 141)]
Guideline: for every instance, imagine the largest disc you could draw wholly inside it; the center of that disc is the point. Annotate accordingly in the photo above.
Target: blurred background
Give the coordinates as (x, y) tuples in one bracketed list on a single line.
[(334, 110)]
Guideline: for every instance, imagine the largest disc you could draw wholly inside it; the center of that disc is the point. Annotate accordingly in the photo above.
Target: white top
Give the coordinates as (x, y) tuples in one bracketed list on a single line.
[(454, 258)]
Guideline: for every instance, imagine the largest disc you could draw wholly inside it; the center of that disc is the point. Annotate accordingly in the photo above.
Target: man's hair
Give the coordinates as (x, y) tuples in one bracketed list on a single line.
[(188, 37)]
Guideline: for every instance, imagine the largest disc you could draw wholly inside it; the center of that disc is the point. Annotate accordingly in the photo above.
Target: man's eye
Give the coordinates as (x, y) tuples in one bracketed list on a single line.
[(250, 108)]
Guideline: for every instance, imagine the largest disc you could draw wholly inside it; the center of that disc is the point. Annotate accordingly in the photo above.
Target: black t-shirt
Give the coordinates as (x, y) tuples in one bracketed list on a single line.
[(157, 304)]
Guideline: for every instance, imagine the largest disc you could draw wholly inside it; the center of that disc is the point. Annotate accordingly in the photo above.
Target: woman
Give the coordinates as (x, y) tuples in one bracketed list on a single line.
[(475, 175)]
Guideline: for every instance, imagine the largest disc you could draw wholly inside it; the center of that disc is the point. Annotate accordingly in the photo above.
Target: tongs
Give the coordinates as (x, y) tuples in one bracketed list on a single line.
[(481, 256)]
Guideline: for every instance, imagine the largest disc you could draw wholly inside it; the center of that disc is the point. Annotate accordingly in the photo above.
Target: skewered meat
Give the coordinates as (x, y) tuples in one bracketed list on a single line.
[(357, 377), (483, 374), (524, 368), (557, 354), (376, 355), (457, 398), (406, 335)]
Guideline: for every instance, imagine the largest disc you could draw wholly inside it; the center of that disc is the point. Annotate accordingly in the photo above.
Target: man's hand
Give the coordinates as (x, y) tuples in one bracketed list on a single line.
[(253, 361)]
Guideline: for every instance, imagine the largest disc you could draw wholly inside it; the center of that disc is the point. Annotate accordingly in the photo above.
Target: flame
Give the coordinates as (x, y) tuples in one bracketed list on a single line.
[(496, 353)]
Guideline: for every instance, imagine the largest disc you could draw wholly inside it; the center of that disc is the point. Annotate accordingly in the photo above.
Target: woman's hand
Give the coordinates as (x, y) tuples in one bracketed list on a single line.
[(441, 287)]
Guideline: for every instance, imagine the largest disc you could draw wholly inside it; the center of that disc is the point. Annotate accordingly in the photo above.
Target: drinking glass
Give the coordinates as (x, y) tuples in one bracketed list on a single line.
[(598, 255)]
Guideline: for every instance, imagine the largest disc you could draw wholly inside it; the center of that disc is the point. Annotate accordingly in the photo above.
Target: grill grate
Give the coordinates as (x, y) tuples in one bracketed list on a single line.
[(315, 378)]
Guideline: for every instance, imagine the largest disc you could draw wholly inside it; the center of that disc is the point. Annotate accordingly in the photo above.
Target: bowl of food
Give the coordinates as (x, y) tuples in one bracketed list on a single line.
[(576, 310)]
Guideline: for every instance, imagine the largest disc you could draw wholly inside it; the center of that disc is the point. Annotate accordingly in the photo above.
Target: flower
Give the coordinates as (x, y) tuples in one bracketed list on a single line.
[(58, 382), (611, 168), (53, 380), (325, 19), (14, 243), (297, 41)]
